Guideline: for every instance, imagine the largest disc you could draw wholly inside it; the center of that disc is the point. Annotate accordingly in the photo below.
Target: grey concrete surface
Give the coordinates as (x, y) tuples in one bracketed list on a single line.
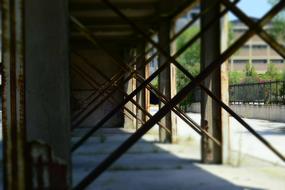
[(266, 112), (242, 142), (47, 89), (154, 166), (96, 58), (252, 111)]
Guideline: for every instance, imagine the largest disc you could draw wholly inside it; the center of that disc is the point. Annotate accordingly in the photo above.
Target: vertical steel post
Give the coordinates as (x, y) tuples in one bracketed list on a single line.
[(14, 137)]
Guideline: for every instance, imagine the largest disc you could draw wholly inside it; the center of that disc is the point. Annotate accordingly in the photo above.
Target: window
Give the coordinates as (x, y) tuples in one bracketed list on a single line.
[(259, 46), (241, 61), (259, 61), (276, 61)]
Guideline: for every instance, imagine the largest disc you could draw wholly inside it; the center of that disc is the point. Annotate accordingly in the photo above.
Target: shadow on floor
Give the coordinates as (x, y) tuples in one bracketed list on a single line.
[(146, 166)]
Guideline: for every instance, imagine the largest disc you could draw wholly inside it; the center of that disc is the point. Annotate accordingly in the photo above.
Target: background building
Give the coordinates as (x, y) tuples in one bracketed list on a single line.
[(255, 51)]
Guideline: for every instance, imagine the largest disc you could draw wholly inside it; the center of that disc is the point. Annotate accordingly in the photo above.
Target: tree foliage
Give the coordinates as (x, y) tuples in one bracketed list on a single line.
[(190, 60), (236, 77), (278, 24)]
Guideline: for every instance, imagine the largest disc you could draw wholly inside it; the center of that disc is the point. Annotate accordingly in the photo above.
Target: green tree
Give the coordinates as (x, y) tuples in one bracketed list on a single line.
[(272, 72), (236, 77), (190, 60), (250, 70), (250, 73), (278, 24)]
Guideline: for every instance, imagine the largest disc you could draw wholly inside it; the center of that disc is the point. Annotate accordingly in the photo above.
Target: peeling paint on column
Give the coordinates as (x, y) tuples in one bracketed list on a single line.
[(13, 94)]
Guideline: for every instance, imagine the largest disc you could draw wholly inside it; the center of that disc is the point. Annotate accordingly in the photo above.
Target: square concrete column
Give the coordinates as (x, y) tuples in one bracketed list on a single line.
[(210, 111), (141, 96), (36, 112), (129, 120), (166, 82)]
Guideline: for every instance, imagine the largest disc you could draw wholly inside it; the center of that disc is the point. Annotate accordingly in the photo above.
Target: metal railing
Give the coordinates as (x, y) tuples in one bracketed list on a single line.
[(272, 92)]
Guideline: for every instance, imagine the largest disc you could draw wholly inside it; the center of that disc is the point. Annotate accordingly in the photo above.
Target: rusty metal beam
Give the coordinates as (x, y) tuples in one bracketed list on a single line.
[(176, 99), (178, 111), (124, 93), (172, 58), (88, 35), (143, 85), (89, 79), (164, 99)]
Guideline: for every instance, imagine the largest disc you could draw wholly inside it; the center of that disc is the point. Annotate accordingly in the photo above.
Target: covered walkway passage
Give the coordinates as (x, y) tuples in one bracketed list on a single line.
[(76, 81)]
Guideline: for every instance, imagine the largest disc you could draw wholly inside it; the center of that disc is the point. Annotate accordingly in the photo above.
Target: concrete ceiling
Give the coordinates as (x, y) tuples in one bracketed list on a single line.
[(106, 25)]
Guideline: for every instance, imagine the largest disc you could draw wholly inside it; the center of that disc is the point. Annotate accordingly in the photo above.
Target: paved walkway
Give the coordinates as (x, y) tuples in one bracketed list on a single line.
[(153, 166), (243, 142)]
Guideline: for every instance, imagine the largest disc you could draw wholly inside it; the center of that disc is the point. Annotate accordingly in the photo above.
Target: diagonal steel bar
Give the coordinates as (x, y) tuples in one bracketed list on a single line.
[(85, 76), (176, 109), (143, 85), (89, 78), (259, 30), (175, 100), (155, 74), (89, 35), (185, 116), (104, 90), (179, 112), (253, 28), (124, 93)]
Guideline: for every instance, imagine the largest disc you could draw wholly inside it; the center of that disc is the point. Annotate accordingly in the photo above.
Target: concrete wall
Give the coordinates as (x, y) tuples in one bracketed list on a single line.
[(106, 65), (47, 75), (266, 112)]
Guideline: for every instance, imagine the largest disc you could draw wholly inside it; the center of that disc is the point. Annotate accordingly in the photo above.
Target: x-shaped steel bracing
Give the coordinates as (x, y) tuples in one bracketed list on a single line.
[(254, 27)]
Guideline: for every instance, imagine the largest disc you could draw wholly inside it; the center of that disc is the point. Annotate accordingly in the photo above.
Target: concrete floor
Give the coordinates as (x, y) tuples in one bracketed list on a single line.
[(243, 143), (153, 166)]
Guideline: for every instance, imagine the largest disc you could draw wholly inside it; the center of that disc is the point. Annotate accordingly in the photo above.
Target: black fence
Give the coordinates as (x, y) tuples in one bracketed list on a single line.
[(272, 92)]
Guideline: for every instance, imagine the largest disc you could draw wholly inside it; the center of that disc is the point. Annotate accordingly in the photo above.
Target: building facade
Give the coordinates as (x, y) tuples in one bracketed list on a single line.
[(255, 51)]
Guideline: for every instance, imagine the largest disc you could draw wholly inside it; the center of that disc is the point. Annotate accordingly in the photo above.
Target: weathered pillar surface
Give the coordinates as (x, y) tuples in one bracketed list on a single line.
[(166, 82), (47, 75), (47, 89), (36, 92), (13, 95), (210, 111), (141, 96), (225, 94), (129, 120)]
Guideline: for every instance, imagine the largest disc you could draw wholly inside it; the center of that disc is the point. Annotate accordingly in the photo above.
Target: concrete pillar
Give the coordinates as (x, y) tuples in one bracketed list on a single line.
[(226, 138), (210, 111), (141, 96), (147, 93), (166, 82), (36, 110), (47, 74), (129, 120)]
